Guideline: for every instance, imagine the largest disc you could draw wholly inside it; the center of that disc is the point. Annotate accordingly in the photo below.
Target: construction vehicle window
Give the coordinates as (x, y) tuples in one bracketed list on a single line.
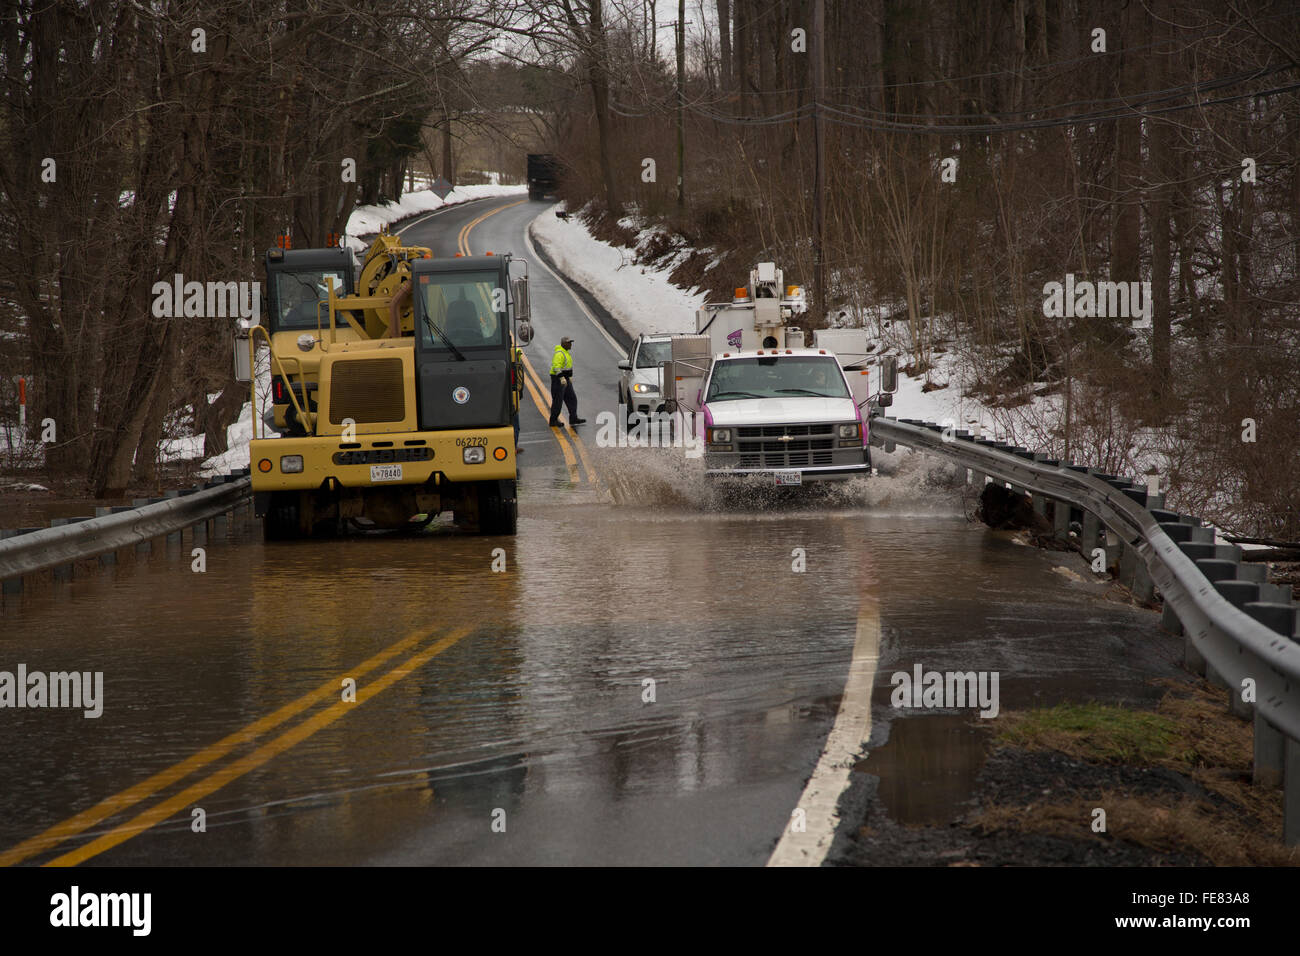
[(297, 294), (782, 376), (652, 353), (457, 307)]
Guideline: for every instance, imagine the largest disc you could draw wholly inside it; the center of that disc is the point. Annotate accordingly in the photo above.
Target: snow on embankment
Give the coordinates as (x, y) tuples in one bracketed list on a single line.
[(365, 220), (639, 297), (642, 299)]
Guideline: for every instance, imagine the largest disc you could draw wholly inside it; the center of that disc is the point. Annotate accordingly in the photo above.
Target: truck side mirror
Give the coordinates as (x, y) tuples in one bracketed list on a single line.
[(888, 373), (524, 333), (243, 362)]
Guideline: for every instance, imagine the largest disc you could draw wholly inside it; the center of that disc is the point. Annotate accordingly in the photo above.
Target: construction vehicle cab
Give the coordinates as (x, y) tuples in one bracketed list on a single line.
[(297, 282), (395, 403)]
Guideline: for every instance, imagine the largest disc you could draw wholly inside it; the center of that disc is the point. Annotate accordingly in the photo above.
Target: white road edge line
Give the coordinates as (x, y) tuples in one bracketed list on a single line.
[(528, 239), (830, 778)]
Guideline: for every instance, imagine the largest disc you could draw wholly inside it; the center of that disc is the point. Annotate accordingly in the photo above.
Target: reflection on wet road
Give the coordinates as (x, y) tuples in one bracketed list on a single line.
[(540, 711)]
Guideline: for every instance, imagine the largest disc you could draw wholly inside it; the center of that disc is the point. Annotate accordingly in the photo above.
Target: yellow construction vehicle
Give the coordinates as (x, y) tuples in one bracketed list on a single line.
[(393, 396)]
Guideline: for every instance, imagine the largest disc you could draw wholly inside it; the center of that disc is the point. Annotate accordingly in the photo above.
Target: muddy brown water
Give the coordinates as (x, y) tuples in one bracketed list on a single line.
[(543, 708)]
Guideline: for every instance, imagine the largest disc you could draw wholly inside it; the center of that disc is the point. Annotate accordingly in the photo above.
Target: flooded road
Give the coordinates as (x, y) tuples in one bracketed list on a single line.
[(539, 708), (646, 674)]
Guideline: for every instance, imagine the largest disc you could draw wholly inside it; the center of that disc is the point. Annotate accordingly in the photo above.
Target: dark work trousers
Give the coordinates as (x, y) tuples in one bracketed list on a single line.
[(562, 391)]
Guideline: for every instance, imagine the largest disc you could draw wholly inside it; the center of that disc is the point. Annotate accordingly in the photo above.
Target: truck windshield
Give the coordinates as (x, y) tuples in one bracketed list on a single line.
[(785, 376), (652, 353), (457, 308), (297, 294)]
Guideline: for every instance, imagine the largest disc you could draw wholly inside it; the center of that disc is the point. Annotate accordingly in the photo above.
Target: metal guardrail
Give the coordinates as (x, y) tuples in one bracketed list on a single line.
[(1237, 627), (57, 546)]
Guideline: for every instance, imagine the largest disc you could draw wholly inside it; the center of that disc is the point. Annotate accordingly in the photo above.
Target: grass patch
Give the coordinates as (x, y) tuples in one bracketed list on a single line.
[(1190, 732), (1097, 732), (1164, 824)]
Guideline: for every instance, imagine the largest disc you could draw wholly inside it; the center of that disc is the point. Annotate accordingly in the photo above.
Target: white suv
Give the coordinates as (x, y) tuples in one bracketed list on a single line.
[(640, 387)]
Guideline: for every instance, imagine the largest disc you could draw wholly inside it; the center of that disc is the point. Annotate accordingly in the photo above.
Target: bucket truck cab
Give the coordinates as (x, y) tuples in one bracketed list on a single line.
[(765, 405)]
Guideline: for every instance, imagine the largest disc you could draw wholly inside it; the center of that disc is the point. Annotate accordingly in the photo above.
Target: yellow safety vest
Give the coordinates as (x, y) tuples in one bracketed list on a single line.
[(562, 361)]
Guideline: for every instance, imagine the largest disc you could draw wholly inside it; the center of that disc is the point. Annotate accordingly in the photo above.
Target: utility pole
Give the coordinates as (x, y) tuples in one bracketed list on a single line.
[(819, 146), (681, 107), (679, 32)]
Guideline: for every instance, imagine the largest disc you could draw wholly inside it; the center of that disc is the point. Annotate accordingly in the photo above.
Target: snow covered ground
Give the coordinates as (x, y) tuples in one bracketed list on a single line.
[(643, 300), (640, 298)]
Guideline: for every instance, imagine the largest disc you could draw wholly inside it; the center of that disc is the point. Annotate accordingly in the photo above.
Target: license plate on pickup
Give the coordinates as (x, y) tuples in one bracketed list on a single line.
[(788, 478), (385, 472)]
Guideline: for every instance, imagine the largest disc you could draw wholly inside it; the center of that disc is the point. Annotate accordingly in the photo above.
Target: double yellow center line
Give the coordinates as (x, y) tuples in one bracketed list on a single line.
[(533, 381), (134, 795)]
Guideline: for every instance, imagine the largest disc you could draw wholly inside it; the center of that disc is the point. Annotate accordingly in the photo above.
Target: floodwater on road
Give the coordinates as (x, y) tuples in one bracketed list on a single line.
[(645, 674)]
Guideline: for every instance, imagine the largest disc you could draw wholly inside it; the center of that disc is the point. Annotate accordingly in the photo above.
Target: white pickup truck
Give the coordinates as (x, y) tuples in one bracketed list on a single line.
[(796, 414)]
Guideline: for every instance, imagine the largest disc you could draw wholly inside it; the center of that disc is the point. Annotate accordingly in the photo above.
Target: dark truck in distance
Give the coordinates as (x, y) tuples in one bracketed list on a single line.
[(543, 175)]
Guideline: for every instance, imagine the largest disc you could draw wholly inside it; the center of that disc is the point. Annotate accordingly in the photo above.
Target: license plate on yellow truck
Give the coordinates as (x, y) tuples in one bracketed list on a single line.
[(385, 472)]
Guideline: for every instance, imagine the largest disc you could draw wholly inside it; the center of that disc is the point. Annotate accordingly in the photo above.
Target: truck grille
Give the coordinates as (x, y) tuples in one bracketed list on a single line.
[(785, 446), (367, 391)]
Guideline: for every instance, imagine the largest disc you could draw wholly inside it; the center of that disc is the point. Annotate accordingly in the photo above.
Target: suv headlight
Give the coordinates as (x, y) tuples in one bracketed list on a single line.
[(641, 388)]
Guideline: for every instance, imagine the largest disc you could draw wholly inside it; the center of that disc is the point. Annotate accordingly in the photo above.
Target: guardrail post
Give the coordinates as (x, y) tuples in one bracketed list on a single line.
[(108, 557), (175, 536), (1061, 520), (199, 530), (1270, 749), (1291, 794), (146, 546), (1238, 593), (1089, 541), (10, 585), (1114, 553), (1144, 589), (1216, 570), (64, 571)]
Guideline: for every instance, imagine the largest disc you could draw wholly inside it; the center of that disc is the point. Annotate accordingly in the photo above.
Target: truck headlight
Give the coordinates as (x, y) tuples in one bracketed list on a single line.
[(291, 464), (850, 431), (474, 455), (641, 388), (719, 436)]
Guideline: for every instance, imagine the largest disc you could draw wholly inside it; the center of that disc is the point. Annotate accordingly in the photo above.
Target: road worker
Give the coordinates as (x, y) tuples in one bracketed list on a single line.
[(562, 384)]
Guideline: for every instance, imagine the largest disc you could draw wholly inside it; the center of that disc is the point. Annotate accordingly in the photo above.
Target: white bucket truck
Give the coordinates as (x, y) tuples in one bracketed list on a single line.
[(762, 402)]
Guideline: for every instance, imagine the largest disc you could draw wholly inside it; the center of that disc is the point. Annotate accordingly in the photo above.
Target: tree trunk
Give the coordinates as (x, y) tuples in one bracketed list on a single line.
[(741, 54), (1125, 254), (448, 171), (219, 415), (724, 39), (1158, 225), (599, 77)]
